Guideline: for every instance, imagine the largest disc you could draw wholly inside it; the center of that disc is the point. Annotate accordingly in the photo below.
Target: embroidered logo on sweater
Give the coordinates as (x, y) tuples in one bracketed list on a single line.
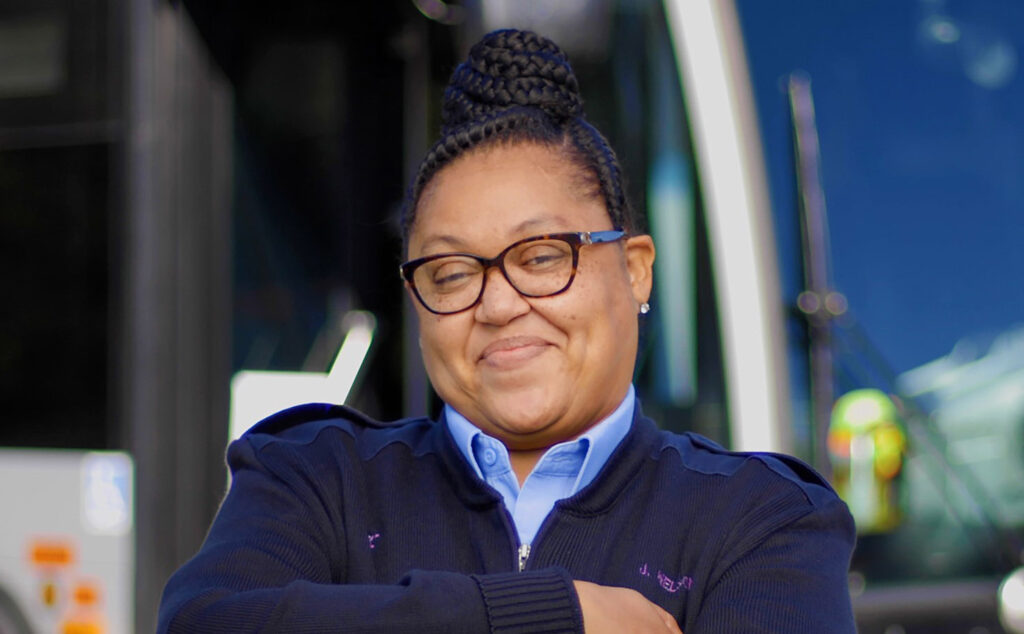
[(667, 583), (371, 538)]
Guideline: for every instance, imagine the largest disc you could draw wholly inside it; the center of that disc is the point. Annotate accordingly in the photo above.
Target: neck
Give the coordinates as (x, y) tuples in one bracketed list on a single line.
[(523, 462)]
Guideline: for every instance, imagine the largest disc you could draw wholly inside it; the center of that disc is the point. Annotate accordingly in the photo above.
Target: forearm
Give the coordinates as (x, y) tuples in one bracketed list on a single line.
[(424, 601), (277, 559)]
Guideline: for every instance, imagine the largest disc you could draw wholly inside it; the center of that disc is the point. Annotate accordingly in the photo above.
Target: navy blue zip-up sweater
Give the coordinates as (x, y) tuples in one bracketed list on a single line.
[(335, 522)]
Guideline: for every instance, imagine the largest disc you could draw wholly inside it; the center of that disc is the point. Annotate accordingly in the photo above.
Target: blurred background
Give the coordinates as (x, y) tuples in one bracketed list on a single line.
[(198, 225)]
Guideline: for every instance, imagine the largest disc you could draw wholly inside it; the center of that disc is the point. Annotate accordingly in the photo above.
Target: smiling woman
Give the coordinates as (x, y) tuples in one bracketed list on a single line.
[(542, 500), (530, 371)]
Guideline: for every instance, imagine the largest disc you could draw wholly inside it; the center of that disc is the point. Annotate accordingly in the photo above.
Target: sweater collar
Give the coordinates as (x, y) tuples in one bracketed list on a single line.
[(595, 445), (618, 470)]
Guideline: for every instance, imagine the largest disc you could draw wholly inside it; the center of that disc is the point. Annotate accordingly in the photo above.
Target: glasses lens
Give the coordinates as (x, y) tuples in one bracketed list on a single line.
[(539, 267), (449, 284), (535, 268)]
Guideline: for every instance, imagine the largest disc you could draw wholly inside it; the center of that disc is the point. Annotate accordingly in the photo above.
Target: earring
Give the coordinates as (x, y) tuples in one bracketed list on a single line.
[(645, 308)]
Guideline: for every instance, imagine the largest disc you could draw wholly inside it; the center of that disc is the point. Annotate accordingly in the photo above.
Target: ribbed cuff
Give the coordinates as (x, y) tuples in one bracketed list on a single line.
[(531, 601)]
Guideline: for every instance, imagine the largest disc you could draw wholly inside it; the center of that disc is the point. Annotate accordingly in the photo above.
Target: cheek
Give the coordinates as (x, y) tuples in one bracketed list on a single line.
[(603, 313), (431, 336), (603, 293), (442, 340), (587, 316)]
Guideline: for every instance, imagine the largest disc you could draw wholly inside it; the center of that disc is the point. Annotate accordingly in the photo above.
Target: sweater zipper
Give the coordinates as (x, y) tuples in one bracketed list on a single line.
[(524, 554)]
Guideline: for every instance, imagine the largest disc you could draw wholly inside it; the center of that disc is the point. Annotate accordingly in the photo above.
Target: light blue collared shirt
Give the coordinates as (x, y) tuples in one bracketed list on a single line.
[(563, 470)]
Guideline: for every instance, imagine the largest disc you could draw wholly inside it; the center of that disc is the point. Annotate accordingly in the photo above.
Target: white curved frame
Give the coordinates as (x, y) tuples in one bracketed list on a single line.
[(719, 101)]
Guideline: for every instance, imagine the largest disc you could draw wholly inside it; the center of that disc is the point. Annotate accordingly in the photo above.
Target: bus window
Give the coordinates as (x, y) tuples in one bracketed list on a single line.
[(920, 132)]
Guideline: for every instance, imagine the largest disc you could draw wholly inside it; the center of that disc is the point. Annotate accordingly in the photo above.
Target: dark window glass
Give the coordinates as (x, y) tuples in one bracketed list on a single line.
[(920, 128), (54, 227)]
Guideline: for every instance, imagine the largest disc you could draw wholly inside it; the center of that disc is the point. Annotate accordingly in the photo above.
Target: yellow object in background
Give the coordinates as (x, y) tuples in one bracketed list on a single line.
[(82, 627), (867, 444)]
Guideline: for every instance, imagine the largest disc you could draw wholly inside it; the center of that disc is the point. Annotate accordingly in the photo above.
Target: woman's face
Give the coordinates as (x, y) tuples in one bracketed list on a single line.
[(529, 371)]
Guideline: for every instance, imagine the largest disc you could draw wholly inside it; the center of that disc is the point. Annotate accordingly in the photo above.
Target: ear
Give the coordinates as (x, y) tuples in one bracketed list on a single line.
[(640, 264)]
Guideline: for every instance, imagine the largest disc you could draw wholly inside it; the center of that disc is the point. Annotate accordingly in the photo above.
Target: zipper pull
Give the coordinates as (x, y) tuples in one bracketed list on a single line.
[(524, 554)]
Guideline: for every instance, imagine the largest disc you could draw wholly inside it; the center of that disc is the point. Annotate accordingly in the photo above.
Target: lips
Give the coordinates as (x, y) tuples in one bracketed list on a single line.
[(513, 350)]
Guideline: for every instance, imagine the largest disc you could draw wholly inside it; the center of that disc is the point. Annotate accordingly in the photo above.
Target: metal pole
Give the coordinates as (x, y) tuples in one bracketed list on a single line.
[(176, 317), (818, 302)]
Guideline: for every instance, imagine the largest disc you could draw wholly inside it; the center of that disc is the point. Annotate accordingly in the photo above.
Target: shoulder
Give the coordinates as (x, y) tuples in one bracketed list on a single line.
[(747, 497), (322, 426), (760, 472)]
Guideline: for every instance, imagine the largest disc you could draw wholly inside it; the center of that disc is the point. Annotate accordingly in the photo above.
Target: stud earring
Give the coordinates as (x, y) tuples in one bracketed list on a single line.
[(645, 308)]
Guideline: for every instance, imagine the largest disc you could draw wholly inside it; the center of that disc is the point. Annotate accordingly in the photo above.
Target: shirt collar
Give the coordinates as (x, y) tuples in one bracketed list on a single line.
[(598, 442)]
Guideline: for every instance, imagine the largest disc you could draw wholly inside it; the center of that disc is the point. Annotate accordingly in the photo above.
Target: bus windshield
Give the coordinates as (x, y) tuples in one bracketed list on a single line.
[(921, 137)]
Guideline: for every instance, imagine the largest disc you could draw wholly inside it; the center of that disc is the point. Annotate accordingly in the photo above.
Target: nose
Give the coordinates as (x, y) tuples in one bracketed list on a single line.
[(500, 303)]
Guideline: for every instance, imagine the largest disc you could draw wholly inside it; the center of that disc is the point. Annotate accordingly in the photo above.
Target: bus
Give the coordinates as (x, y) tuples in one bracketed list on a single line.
[(902, 341)]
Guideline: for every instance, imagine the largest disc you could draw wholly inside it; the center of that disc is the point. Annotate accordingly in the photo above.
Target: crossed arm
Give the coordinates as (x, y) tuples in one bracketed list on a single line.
[(265, 567)]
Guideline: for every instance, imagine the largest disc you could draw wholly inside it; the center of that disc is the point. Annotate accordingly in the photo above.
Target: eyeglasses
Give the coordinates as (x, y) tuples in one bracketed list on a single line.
[(540, 266)]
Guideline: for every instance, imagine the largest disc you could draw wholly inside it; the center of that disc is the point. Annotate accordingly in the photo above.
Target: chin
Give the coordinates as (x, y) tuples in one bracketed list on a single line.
[(524, 425)]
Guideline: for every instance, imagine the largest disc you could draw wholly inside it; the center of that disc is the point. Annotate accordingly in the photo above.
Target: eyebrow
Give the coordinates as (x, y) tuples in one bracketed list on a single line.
[(454, 242)]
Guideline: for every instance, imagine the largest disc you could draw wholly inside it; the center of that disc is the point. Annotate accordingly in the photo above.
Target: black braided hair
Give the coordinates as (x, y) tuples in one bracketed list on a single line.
[(515, 87)]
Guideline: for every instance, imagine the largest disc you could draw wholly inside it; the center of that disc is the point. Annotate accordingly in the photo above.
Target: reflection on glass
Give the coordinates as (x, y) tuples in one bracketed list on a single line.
[(32, 56)]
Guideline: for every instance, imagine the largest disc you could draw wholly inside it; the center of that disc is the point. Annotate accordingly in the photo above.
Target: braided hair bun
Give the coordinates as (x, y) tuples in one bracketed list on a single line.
[(511, 68), (518, 87)]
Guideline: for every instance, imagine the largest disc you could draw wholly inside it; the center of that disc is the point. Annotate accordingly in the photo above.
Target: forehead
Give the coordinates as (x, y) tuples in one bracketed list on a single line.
[(491, 196)]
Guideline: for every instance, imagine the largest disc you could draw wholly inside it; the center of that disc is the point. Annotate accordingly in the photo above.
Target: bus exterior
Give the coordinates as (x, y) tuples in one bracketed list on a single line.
[(881, 341), (66, 541), (882, 352)]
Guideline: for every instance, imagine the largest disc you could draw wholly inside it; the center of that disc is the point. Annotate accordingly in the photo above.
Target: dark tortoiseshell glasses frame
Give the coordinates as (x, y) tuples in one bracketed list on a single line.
[(575, 240)]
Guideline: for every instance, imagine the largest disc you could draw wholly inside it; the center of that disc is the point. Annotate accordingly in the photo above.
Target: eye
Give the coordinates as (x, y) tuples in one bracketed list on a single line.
[(450, 274), (541, 256)]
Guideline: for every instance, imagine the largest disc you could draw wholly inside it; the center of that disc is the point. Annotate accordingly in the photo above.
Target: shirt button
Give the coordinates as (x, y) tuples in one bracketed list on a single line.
[(490, 456)]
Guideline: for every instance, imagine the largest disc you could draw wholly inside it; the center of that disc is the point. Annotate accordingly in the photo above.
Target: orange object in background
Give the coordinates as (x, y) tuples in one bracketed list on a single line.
[(86, 595), (55, 557), (48, 594), (81, 627), (85, 616), (51, 553)]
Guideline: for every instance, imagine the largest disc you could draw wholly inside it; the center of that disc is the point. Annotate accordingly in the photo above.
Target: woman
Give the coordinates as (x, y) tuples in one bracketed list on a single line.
[(543, 500)]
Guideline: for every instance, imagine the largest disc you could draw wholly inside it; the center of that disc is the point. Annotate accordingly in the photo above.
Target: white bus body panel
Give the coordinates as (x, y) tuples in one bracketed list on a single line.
[(729, 158), (79, 503)]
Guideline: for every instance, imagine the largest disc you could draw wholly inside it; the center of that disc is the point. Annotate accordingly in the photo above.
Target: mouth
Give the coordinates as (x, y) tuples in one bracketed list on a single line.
[(512, 351)]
